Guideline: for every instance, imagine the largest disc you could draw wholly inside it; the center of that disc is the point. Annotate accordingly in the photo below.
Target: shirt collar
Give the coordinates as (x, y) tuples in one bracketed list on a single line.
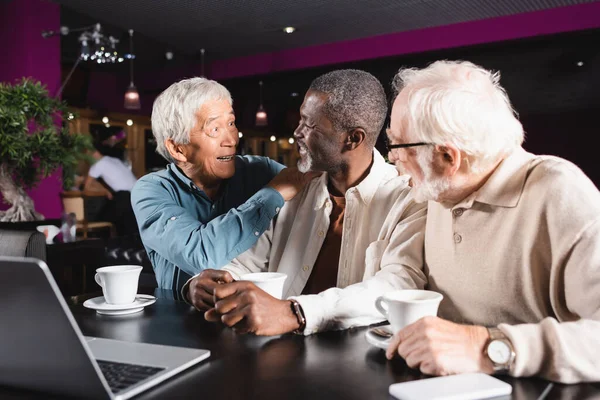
[(368, 186), (505, 186), (366, 189), (187, 182)]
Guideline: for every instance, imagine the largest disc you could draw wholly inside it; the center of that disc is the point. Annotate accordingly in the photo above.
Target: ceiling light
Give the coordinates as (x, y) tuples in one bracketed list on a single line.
[(240, 135), (273, 138), (169, 55), (105, 120), (261, 114), (129, 122), (202, 51), (132, 96), (107, 125), (289, 29), (291, 140), (580, 63), (294, 94)]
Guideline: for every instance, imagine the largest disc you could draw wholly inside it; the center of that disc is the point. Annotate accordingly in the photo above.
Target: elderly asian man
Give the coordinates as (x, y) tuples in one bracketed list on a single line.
[(208, 205)]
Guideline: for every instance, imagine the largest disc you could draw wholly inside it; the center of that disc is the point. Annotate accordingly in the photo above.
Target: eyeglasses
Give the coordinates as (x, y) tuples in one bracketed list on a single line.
[(401, 156), (405, 145)]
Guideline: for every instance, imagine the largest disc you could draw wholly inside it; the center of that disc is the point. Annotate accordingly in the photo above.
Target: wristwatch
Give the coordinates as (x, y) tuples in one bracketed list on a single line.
[(500, 351), (299, 313)]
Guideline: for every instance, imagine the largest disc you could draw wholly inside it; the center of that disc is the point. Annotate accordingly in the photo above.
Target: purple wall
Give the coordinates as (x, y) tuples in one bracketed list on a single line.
[(545, 22), (21, 24)]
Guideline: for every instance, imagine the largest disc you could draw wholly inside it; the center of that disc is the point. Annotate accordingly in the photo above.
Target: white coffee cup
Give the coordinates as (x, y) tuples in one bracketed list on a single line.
[(119, 283), (270, 282), (403, 307)]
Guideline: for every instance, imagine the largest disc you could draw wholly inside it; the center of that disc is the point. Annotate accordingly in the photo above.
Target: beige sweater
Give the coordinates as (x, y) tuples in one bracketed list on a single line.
[(523, 253)]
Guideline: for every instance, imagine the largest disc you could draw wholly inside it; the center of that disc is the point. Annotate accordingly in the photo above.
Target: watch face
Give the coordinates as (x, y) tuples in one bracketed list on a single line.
[(499, 352)]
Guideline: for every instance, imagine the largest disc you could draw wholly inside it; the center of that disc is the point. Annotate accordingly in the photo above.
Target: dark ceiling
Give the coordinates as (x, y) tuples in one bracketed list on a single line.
[(243, 27)]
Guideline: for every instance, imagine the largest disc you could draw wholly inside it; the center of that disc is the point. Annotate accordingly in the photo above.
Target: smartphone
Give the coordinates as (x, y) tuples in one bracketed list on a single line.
[(453, 387)]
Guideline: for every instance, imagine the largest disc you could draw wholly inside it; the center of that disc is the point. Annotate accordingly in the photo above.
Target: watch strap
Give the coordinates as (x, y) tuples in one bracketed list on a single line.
[(297, 310)]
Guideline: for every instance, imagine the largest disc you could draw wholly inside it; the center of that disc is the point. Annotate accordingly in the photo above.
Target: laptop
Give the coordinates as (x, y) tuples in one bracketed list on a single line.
[(42, 348)]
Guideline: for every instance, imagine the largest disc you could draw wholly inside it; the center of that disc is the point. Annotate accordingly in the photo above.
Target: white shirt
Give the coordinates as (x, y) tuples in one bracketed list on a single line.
[(382, 244), (114, 173)]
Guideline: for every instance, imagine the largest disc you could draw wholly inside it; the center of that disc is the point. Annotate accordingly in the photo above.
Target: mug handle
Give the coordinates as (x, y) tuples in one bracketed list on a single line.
[(98, 279), (379, 305)]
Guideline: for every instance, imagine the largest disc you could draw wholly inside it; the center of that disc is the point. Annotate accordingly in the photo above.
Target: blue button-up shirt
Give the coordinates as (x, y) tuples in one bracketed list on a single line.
[(185, 232)]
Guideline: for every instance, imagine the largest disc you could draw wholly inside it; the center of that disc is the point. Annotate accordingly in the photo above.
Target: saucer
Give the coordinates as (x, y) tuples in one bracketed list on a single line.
[(102, 307), (377, 340)]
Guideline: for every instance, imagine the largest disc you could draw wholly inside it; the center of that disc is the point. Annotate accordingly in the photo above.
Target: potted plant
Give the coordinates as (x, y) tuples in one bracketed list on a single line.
[(33, 144)]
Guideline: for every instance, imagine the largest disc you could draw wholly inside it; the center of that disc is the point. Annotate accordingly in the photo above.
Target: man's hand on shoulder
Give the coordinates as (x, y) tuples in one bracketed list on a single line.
[(248, 309), (201, 288), (289, 182)]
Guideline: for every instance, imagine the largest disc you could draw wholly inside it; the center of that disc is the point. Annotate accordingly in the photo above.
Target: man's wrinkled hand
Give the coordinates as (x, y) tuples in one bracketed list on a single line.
[(439, 347), (202, 287), (289, 182), (248, 309)]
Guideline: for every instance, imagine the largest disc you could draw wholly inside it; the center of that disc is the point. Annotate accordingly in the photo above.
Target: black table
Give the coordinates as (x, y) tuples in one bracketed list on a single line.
[(330, 365)]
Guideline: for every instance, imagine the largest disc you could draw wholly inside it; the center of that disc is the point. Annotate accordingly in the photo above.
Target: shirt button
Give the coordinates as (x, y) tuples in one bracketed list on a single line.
[(457, 238), (458, 212), (321, 233), (277, 209), (213, 206), (173, 218), (256, 233), (305, 268)]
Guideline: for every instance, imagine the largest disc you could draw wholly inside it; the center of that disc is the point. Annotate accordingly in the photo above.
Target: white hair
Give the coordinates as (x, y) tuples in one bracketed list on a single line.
[(174, 110), (463, 104)]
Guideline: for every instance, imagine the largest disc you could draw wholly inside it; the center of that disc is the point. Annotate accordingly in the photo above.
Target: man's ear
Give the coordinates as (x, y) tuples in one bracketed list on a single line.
[(355, 138), (175, 150), (450, 158)]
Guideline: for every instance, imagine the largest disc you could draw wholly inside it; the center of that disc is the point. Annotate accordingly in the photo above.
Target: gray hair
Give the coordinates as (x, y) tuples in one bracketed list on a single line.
[(461, 103), (174, 110), (356, 99)]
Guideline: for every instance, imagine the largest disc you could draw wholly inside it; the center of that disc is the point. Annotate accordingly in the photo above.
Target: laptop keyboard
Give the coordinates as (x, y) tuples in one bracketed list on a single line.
[(120, 376)]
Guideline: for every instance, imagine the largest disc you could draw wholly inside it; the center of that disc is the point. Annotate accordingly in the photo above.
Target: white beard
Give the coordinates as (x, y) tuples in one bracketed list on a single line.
[(430, 187), (305, 163)]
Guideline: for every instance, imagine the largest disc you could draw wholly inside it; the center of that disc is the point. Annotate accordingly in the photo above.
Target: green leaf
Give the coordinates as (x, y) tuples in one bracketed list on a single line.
[(30, 142)]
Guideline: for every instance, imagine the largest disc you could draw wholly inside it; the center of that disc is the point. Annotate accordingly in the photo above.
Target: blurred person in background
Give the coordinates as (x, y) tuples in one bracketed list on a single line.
[(117, 181)]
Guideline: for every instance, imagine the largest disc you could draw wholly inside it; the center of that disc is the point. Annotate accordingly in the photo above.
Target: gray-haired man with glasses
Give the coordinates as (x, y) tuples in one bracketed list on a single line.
[(512, 239)]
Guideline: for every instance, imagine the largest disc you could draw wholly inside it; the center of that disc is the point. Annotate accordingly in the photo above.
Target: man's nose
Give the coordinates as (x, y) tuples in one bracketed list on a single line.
[(231, 139), (392, 157), (298, 132)]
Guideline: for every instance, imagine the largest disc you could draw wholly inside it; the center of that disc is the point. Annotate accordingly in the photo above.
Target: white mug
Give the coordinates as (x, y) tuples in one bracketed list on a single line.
[(270, 282), (119, 283), (403, 307)]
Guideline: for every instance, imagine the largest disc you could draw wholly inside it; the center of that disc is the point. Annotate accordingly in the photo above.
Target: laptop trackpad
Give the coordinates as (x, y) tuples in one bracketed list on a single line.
[(143, 353)]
